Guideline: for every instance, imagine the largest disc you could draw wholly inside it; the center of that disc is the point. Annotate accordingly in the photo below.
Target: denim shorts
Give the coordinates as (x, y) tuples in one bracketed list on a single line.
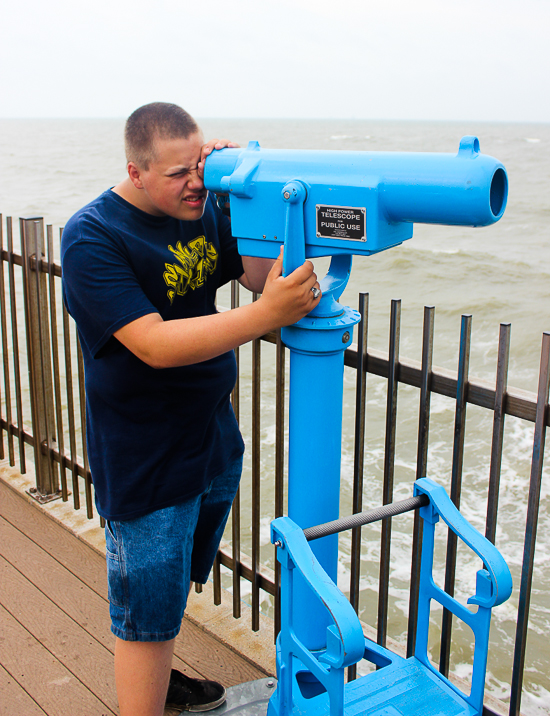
[(151, 560)]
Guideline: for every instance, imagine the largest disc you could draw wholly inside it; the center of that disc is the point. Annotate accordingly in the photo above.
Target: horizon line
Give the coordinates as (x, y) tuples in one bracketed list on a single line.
[(293, 119)]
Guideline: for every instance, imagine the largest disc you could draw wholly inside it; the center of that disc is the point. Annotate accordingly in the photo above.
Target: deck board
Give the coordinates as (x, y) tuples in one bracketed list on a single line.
[(54, 539), (15, 699), (56, 657), (41, 675), (71, 645)]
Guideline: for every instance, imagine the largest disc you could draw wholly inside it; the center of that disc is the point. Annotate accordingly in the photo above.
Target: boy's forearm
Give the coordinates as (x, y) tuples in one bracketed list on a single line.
[(168, 344), (184, 341)]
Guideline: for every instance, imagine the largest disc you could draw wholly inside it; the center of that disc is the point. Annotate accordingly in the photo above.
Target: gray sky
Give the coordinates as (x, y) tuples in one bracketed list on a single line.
[(386, 59)]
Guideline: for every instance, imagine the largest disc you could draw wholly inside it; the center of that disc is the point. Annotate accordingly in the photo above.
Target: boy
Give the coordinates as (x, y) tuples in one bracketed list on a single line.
[(141, 265)]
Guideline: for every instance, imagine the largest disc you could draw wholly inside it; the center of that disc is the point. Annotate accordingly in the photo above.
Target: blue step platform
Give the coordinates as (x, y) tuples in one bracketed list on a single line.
[(311, 683)]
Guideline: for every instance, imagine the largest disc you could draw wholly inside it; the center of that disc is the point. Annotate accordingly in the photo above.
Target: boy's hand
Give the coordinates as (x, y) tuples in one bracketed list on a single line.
[(289, 298), (209, 147)]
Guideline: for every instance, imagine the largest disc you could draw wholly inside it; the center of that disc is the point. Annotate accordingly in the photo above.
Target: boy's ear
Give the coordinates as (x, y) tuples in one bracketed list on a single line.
[(135, 175)]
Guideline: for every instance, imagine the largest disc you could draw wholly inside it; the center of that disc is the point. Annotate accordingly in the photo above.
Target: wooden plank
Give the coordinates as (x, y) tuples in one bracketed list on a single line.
[(42, 676), (213, 659), (74, 554), (78, 651), (66, 590), (15, 700), (199, 654)]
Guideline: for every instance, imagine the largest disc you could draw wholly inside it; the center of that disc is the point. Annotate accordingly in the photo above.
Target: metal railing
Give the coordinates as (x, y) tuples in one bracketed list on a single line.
[(43, 409)]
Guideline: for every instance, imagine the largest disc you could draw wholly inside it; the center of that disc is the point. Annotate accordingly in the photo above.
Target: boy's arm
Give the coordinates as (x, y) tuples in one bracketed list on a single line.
[(167, 344), (255, 274)]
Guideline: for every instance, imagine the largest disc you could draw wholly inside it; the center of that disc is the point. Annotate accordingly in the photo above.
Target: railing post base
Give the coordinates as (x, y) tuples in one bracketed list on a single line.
[(43, 499)]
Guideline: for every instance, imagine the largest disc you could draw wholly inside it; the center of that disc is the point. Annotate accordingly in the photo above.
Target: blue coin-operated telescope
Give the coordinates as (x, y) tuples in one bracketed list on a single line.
[(353, 202), (335, 203)]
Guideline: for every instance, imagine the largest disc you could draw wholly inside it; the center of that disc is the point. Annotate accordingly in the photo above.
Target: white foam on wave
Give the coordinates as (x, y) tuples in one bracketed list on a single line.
[(532, 140), (536, 702)]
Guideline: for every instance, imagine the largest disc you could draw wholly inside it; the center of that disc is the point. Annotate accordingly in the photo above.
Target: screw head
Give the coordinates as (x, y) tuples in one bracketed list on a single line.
[(270, 684), (286, 195), (345, 337)]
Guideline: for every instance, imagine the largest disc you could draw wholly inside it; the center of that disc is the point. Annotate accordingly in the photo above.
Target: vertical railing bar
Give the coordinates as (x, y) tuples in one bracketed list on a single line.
[(425, 392), (279, 463), (55, 361), (358, 455), (6, 360), (217, 579), (256, 395), (70, 406), (32, 386), (216, 575), (4, 328), (533, 504), (236, 508), (82, 402), (456, 485), (15, 345), (389, 463), (52, 479), (421, 467), (498, 431)]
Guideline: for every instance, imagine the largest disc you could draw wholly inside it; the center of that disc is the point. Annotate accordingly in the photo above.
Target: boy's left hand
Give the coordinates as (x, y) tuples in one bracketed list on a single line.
[(209, 147)]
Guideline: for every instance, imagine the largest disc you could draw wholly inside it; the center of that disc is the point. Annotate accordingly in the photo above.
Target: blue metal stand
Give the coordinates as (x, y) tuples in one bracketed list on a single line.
[(343, 204)]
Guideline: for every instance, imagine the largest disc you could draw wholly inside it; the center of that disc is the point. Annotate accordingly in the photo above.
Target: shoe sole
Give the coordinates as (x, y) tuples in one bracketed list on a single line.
[(200, 709)]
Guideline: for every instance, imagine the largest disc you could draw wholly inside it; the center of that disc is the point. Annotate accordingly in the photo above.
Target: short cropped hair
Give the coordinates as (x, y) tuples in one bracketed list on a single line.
[(156, 120)]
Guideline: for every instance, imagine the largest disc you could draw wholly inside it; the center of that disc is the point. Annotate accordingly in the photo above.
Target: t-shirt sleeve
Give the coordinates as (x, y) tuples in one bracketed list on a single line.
[(101, 291)]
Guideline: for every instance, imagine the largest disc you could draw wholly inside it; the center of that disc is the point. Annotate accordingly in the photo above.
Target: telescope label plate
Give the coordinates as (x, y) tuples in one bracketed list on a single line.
[(341, 222)]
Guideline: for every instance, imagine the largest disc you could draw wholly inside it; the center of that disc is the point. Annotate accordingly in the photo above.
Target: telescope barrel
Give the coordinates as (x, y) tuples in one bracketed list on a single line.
[(355, 202), (467, 189)]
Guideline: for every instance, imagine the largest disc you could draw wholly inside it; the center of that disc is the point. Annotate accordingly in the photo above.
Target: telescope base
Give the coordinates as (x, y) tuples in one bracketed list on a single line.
[(249, 699)]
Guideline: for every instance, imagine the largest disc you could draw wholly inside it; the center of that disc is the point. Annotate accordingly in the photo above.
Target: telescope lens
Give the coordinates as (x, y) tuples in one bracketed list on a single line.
[(499, 192)]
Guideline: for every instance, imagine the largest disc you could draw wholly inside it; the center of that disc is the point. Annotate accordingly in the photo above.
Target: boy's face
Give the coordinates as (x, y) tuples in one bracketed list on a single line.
[(172, 184)]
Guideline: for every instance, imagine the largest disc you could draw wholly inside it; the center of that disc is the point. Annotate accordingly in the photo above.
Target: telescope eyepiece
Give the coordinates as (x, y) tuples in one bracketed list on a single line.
[(498, 192)]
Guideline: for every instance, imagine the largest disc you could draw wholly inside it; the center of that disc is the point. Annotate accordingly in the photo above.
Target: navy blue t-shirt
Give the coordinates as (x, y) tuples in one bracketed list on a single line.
[(155, 437)]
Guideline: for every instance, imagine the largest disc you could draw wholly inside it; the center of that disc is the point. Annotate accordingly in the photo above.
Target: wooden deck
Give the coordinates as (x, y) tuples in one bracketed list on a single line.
[(56, 647)]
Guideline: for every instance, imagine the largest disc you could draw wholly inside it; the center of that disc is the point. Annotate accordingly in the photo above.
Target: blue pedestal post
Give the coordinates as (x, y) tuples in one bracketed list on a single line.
[(317, 346)]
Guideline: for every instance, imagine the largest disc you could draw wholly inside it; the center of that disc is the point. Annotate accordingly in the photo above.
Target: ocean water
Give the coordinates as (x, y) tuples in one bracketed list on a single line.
[(501, 273)]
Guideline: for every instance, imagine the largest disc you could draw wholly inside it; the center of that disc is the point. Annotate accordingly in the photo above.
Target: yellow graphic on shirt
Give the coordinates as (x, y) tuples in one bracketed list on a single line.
[(198, 259)]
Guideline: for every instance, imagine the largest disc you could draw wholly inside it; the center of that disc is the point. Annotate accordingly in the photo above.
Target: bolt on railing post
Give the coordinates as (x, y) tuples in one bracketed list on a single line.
[(39, 359)]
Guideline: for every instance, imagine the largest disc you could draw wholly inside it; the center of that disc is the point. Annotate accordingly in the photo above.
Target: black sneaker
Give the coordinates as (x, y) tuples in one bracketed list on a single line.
[(190, 694)]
